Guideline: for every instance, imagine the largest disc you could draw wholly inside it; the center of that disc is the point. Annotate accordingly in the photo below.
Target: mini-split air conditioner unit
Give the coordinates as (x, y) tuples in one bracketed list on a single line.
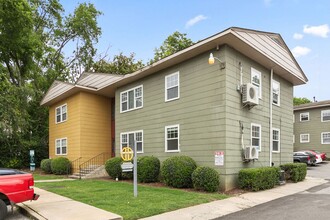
[(251, 153), (250, 94)]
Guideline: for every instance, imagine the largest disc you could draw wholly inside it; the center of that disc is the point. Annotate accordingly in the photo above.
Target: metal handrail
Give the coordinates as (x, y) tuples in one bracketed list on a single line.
[(75, 164), (94, 163)]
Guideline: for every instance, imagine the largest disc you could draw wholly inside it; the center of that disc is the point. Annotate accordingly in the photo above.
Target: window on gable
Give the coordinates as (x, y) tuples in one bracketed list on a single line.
[(276, 140), (172, 138), (276, 93), (127, 140), (61, 113), (61, 146), (256, 136), (256, 80), (325, 115), (131, 99), (325, 136), (172, 87), (304, 138), (304, 116)]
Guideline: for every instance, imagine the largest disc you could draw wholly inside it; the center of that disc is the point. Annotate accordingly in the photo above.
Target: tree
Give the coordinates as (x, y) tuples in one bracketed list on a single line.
[(172, 44), (120, 64), (299, 101), (33, 36)]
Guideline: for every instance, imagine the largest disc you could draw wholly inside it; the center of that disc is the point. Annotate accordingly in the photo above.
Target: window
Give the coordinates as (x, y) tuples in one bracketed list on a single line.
[(276, 93), (304, 138), (172, 87), (127, 139), (325, 136), (325, 115), (61, 113), (61, 146), (131, 99), (172, 138), (256, 136), (256, 80), (276, 140), (304, 116)]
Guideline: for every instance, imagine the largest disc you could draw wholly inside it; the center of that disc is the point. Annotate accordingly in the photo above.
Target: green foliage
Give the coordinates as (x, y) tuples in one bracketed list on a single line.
[(60, 166), (258, 178), (113, 167), (206, 178), (176, 171), (294, 171), (14, 163), (148, 169), (300, 101), (172, 44), (45, 165)]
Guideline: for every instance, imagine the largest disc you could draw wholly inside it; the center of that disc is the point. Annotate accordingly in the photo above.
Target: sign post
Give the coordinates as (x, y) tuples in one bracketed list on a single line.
[(32, 164), (135, 170), (127, 154)]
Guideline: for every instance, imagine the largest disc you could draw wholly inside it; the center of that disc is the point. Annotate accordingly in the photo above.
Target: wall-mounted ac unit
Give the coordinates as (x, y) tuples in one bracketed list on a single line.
[(250, 94), (251, 153)]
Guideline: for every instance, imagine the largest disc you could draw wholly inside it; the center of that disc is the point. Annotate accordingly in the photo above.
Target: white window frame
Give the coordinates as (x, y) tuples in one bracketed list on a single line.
[(256, 125), (61, 113), (135, 99), (322, 114), (304, 141), (322, 138), (257, 73), (166, 139), (61, 146), (279, 140), (167, 88), (127, 140), (307, 113), (278, 94)]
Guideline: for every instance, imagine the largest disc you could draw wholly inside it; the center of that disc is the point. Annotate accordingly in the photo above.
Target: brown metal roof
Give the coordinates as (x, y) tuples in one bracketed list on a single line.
[(312, 105)]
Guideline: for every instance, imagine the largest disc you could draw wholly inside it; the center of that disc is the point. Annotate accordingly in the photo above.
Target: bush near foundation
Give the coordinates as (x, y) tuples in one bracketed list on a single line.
[(294, 171), (206, 179), (45, 165), (256, 179), (60, 166), (148, 169), (176, 171), (113, 167)]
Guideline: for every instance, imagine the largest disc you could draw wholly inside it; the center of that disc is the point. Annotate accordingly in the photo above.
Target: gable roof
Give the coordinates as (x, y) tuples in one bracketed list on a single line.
[(268, 49), (312, 105)]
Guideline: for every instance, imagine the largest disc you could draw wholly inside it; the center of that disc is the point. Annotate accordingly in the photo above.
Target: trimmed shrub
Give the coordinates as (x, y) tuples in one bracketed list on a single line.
[(148, 169), (113, 167), (258, 178), (45, 165), (176, 171), (294, 171), (60, 166), (206, 178)]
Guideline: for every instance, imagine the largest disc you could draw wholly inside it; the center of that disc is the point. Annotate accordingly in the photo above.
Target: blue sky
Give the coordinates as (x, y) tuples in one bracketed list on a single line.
[(141, 26)]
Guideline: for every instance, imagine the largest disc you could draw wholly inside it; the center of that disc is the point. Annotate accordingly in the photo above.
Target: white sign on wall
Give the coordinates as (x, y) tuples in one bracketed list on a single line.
[(219, 158)]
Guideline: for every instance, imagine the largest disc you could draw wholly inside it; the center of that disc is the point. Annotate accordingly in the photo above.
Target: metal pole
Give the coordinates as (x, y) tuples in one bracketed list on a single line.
[(135, 170)]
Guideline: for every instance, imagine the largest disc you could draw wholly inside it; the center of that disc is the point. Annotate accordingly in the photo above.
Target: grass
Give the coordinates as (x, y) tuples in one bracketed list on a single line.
[(117, 197), (37, 176)]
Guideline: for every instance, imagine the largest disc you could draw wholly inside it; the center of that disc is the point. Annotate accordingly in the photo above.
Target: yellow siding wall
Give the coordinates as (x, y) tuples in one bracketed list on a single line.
[(87, 129)]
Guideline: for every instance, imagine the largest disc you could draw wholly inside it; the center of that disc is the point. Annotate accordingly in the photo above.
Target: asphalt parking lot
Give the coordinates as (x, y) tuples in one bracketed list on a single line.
[(320, 170)]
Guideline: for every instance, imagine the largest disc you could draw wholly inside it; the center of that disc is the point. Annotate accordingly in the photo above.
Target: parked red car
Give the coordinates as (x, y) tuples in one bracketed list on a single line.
[(323, 155), (317, 155), (15, 187)]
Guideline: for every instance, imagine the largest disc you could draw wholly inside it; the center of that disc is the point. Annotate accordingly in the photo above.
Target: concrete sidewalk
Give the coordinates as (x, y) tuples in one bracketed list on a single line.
[(55, 207)]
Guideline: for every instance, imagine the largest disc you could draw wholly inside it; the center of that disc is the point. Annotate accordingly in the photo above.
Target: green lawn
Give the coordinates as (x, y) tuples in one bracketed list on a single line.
[(117, 197), (37, 176)]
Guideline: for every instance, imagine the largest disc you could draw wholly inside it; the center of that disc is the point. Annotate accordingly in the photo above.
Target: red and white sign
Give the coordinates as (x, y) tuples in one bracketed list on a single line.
[(219, 158)]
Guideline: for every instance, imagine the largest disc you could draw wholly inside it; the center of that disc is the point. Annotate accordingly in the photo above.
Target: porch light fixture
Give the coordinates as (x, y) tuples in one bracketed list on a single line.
[(212, 60)]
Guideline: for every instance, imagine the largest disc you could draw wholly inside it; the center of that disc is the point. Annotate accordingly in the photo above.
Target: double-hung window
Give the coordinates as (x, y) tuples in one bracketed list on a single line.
[(325, 115), (61, 146), (131, 99), (127, 140), (304, 138), (61, 113), (172, 86), (325, 136), (276, 140), (172, 137), (304, 116), (256, 80), (276, 93), (256, 136)]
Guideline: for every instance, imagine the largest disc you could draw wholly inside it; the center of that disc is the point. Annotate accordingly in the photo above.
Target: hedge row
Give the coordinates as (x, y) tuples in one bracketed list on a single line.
[(57, 166), (294, 171)]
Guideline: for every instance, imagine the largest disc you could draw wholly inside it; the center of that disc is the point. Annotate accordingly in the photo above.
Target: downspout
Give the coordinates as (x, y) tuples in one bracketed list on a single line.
[(271, 119)]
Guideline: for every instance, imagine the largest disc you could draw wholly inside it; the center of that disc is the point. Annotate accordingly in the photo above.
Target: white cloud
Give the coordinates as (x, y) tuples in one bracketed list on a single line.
[(298, 36), (300, 51), (320, 31), (195, 20)]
